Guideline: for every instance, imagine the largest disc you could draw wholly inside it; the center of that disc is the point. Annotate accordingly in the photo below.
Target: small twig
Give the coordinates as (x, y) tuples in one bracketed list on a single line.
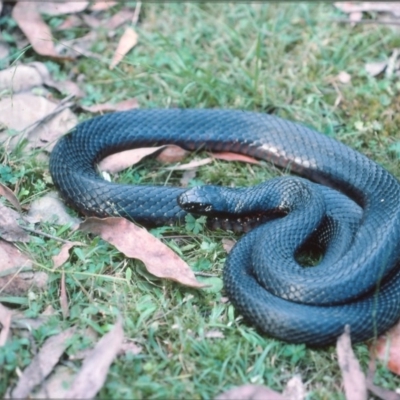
[(40, 233), (136, 13), (199, 273), (64, 103)]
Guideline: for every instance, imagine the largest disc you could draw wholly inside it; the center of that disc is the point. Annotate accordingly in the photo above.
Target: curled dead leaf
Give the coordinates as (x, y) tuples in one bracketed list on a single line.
[(63, 255), (136, 242), (228, 244), (172, 154)]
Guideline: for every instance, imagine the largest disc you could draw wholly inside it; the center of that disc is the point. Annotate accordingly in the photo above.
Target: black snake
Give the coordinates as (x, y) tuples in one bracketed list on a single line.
[(358, 279)]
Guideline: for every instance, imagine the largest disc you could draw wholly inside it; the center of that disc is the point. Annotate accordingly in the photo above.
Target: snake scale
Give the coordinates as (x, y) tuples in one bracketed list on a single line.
[(342, 201)]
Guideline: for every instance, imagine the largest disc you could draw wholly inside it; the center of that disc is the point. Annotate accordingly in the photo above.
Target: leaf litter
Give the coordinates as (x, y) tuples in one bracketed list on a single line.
[(254, 391), (42, 364)]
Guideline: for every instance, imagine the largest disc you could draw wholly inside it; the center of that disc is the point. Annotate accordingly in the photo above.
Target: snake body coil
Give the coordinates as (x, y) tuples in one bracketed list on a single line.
[(358, 281)]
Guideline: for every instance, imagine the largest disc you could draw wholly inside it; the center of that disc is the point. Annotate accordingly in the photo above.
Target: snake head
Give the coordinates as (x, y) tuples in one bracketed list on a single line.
[(202, 200)]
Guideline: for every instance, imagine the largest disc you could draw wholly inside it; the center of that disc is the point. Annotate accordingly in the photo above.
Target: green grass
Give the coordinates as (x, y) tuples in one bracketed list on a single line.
[(262, 57)]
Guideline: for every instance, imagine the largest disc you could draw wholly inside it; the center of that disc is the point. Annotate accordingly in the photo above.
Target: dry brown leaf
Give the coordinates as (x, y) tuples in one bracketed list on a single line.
[(57, 384), (12, 259), (387, 349), (192, 164), (101, 5), (138, 243), (64, 86), (5, 324), (120, 161), (63, 255), (10, 196), (119, 19), (93, 373), (172, 154), (353, 378), (72, 21), (129, 347), (125, 159), (214, 334), (294, 389), (126, 43), (108, 107), (228, 156), (343, 77), (18, 114), (27, 17), (42, 364), (228, 244), (15, 277), (376, 68), (364, 6), (20, 78), (250, 392), (20, 321), (50, 208), (91, 21), (24, 77), (355, 16), (9, 227), (61, 8), (80, 46)]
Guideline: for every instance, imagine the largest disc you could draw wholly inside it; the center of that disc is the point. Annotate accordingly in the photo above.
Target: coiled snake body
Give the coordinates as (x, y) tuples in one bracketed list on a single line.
[(358, 280)]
